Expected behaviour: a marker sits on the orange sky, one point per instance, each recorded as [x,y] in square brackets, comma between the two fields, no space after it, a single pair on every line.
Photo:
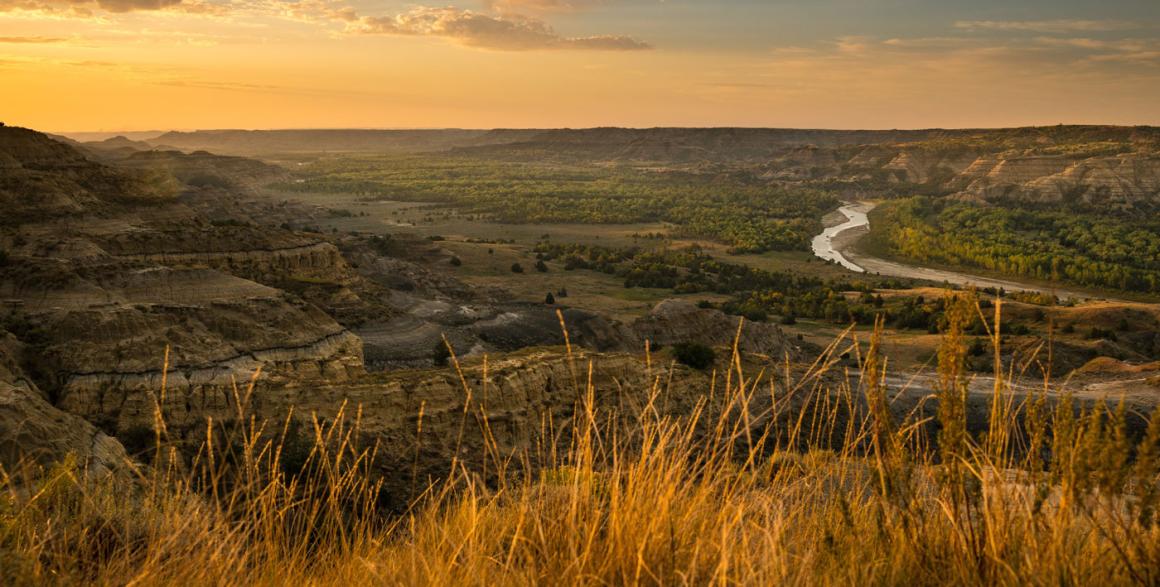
[162,64]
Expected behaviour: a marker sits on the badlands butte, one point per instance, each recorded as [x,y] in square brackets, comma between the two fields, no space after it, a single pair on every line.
[168,268]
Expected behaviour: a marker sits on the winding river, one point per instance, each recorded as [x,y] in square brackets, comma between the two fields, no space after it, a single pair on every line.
[836,244]
[857,216]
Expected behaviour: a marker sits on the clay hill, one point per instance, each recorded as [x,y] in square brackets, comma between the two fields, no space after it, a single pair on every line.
[1065,165]
[112,256]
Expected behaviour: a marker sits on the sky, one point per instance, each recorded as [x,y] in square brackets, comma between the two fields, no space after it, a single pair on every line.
[106,65]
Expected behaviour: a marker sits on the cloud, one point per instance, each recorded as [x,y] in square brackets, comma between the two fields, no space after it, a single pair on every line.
[89,8]
[32,40]
[500,32]
[853,44]
[1132,51]
[541,5]
[919,43]
[1047,26]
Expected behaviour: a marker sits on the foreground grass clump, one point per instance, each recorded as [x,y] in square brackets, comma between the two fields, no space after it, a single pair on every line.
[764,482]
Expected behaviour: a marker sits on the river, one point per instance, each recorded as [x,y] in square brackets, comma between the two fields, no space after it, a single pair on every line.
[836,244]
[824,245]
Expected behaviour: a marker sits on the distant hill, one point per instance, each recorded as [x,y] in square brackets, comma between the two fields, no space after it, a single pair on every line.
[1115,165]
[42,177]
[265,142]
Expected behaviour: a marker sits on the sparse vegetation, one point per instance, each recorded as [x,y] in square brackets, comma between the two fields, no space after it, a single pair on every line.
[825,484]
[735,208]
[695,355]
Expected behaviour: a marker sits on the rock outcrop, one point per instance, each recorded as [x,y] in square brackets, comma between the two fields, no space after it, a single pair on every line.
[678,321]
[32,431]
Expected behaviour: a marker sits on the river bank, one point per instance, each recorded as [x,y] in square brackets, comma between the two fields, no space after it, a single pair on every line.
[845,228]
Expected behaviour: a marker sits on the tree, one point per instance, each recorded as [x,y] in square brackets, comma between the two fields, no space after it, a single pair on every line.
[541,266]
[549,299]
[517,268]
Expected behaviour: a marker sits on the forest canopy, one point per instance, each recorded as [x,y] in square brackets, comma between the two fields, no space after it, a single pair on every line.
[748,214]
[1108,251]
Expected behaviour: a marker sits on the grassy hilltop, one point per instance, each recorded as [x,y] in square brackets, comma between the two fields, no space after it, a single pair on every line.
[803,478]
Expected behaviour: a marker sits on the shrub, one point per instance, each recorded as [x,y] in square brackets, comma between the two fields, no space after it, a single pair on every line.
[517,268]
[694,354]
[456,262]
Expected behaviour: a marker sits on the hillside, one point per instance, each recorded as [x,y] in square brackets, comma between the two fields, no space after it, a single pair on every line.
[1088,165]
[102,288]
[265,142]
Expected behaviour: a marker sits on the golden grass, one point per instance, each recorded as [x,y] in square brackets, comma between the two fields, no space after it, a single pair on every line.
[767,481]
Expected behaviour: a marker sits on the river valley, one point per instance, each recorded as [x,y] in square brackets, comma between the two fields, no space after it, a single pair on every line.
[846,227]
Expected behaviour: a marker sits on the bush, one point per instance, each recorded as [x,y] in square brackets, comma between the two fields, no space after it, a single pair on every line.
[456,262]
[549,299]
[694,354]
[517,268]
[541,266]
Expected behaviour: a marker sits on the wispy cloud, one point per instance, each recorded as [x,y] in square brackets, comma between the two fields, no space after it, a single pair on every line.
[542,5]
[32,40]
[500,32]
[92,8]
[84,7]
[853,44]
[1132,51]
[1048,26]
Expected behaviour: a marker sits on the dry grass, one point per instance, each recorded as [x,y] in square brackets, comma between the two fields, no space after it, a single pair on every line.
[749,488]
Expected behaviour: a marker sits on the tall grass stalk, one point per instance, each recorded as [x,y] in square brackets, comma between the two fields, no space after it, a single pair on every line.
[813,477]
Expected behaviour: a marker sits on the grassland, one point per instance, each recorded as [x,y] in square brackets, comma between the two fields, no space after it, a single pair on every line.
[805,480]
[487,250]
[732,207]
